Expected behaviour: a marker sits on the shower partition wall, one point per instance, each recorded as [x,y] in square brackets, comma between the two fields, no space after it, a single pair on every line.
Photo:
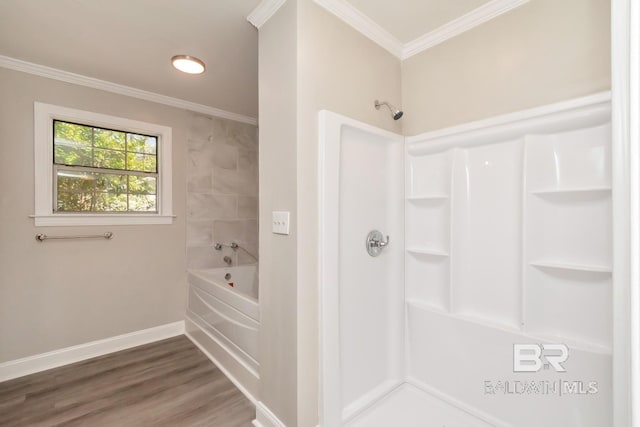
[362,180]
[508,243]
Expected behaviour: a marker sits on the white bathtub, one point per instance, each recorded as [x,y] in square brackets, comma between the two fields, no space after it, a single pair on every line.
[240,291]
[224,319]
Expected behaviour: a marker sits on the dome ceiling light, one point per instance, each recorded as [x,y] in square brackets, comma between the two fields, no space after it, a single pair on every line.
[188,64]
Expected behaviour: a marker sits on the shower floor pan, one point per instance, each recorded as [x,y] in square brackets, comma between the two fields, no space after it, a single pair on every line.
[408,406]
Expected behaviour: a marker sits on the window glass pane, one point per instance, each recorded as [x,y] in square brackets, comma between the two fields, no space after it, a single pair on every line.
[75,202]
[72,181]
[109,139]
[142,202]
[102,192]
[141,162]
[72,155]
[70,134]
[111,183]
[142,143]
[72,144]
[142,185]
[108,159]
[110,202]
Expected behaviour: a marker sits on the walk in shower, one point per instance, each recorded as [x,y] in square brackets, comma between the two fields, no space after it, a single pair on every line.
[491,303]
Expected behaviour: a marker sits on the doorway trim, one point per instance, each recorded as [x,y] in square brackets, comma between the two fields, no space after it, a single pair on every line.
[625,84]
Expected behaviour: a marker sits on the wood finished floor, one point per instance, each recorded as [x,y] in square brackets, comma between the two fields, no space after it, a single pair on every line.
[167,383]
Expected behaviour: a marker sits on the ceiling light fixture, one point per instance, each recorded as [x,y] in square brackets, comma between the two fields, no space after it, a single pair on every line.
[188,64]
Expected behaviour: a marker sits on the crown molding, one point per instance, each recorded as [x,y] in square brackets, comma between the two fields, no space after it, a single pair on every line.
[369,28]
[476,17]
[362,23]
[264,11]
[78,79]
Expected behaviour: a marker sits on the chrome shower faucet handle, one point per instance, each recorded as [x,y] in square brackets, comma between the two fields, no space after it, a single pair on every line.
[375,243]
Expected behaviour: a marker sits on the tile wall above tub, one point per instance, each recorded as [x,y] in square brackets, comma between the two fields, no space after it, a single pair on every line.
[222,191]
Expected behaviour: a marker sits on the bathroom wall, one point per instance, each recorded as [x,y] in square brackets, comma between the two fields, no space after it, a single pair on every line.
[542,52]
[63,293]
[222,191]
[278,191]
[340,70]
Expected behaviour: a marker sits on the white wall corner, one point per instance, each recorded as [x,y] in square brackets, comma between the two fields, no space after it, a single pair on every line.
[464,23]
[264,11]
[65,356]
[80,80]
[266,418]
[363,24]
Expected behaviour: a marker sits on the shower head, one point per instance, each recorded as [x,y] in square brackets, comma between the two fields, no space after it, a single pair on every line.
[395,113]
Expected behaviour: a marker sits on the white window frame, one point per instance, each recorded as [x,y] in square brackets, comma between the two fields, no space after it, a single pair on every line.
[44,115]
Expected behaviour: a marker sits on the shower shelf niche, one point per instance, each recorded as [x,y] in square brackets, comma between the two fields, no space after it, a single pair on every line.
[427,214]
[417,199]
[568,280]
[428,251]
[549,191]
[600,269]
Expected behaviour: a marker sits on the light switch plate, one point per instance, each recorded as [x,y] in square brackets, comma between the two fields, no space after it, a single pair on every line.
[280,222]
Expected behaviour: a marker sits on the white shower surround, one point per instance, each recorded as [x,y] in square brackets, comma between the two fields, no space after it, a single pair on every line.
[448,226]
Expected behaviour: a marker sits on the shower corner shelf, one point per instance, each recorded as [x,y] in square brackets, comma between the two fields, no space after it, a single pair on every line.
[427,251]
[590,268]
[550,191]
[421,304]
[428,197]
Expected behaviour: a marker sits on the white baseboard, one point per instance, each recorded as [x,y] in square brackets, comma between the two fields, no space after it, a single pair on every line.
[64,356]
[266,418]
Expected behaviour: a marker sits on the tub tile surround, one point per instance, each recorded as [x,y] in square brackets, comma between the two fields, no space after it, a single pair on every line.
[247,207]
[222,191]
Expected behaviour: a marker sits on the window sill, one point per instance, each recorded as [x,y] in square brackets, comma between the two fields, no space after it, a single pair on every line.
[100,219]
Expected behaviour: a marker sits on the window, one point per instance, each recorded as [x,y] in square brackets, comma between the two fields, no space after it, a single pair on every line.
[93,169]
[103,170]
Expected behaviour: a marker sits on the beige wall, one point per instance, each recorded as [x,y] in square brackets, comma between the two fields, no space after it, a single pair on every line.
[62,293]
[309,61]
[278,190]
[342,71]
[543,52]
[222,192]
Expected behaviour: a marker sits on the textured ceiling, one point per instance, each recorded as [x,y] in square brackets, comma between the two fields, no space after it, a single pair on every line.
[131,43]
[407,20]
